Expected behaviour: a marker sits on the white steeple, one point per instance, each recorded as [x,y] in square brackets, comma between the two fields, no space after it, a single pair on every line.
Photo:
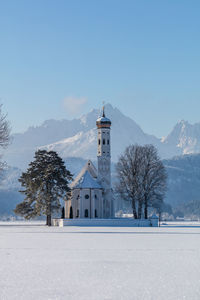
[104,161]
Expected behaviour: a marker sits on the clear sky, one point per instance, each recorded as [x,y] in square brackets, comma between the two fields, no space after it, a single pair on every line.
[61,58]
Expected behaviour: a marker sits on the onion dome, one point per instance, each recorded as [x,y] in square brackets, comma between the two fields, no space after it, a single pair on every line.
[103,122]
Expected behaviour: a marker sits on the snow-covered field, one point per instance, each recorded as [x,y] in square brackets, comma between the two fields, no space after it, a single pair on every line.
[37,262]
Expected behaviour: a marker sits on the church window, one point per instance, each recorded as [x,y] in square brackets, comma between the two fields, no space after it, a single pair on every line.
[95,196]
[71,213]
[95,213]
[77,214]
[104,141]
[108,142]
[87,196]
[99,142]
[86,213]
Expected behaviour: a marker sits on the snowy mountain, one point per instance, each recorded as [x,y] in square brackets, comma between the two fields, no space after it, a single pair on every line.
[77,138]
[184,137]
[9,187]
[84,144]
[183,180]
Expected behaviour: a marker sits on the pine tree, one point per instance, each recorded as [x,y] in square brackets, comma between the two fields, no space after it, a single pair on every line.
[45,183]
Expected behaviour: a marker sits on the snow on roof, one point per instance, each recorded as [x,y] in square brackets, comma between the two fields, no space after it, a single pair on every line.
[87,182]
[86,178]
[103,120]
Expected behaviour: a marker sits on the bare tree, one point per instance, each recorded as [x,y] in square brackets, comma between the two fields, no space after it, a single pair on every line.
[4,133]
[154,180]
[4,129]
[141,178]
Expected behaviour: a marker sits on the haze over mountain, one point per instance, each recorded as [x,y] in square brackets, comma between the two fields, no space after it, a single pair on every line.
[185,137]
[77,138]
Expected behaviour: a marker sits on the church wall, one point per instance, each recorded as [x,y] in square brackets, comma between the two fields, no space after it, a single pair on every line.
[67,208]
[86,203]
[85,199]
[76,203]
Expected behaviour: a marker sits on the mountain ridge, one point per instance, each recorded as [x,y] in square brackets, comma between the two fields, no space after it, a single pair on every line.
[77,138]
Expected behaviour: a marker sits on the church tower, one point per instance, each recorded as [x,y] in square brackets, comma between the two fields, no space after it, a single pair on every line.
[104,163]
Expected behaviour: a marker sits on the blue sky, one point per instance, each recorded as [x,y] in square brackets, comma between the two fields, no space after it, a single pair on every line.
[59,59]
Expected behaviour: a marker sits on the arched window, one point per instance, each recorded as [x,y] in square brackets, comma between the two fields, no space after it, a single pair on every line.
[87,196]
[108,142]
[63,213]
[95,213]
[104,141]
[99,142]
[71,213]
[86,213]
[77,214]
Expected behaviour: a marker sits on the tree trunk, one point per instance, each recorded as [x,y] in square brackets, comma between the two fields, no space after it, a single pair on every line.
[145,207]
[160,217]
[48,222]
[146,212]
[140,210]
[134,210]
[135,214]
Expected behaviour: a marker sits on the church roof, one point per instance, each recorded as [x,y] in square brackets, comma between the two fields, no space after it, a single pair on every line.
[87,178]
[87,182]
[102,120]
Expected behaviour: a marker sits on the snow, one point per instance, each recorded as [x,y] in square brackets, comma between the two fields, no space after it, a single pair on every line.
[38,262]
[87,182]
[103,120]
[86,178]
[76,138]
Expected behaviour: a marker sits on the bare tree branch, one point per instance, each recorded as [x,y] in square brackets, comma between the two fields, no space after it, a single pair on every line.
[141,178]
[4,129]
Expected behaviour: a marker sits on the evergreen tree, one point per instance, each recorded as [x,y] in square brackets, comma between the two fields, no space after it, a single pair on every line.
[45,183]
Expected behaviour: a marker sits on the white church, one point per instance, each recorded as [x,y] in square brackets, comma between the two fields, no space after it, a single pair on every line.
[91,192]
